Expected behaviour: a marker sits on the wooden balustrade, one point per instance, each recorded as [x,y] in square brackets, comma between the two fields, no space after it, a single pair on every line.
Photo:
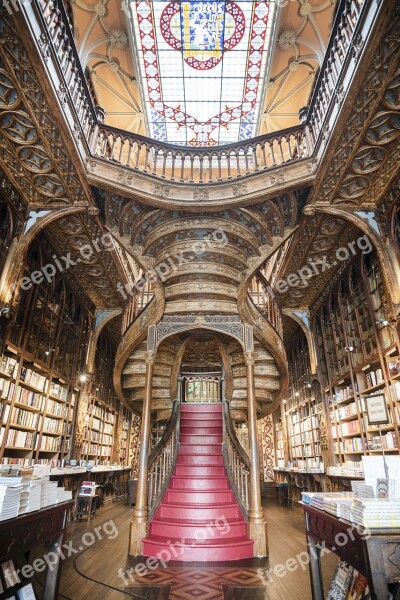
[139,299]
[162,460]
[263,298]
[201,165]
[237,463]
[327,86]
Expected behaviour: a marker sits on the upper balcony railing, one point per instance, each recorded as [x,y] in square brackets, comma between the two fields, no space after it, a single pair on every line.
[202,164]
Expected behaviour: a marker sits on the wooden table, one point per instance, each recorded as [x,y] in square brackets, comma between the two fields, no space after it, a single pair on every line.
[377,556]
[46,526]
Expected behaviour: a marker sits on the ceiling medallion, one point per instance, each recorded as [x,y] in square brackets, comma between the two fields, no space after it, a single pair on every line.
[202,31]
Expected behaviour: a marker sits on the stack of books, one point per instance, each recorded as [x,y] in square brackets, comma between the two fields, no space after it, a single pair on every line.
[338,506]
[376,513]
[10,498]
[63,495]
[48,492]
[362,489]
[31,495]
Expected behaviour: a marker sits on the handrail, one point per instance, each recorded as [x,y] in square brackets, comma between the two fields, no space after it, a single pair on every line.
[263,298]
[199,165]
[135,306]
[162,460]
[185,164]
[237,463]
[341,43]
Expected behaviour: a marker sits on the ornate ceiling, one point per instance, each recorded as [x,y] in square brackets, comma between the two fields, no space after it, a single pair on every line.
[298,38]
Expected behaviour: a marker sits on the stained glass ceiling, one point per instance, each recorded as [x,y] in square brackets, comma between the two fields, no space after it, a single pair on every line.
[202,66]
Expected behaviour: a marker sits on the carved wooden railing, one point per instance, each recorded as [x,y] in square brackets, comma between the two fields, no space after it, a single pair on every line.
[58,29]
[263,298]
[200,165]
[342,44]
[137,302]
[162,460]
[237,463]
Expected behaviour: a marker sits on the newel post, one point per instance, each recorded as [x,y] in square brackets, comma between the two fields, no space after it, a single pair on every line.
[139,523]
[257,525]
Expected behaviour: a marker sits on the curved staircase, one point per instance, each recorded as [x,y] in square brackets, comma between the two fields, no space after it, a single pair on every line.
[199,518]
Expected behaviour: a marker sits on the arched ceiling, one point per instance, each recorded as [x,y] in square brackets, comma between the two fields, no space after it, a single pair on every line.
[103,33]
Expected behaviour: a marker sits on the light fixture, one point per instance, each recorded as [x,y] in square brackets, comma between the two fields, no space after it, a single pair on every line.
[383,322]
[296,394]
[49,351]
[349,348]
[82,378]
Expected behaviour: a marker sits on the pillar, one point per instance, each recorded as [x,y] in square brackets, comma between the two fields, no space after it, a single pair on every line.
[257,525]
[139,523]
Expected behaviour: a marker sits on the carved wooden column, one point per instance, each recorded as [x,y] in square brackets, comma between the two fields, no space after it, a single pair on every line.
[258,529]
[139,521]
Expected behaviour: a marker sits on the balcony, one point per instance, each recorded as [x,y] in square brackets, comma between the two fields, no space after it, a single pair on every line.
[153,169]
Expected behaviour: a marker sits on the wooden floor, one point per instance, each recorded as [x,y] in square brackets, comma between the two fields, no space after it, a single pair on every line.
[98,571]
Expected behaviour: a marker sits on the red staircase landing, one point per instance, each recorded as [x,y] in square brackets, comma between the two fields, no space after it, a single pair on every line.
[199,518]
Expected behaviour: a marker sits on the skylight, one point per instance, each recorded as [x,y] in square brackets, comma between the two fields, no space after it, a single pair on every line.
[202,66]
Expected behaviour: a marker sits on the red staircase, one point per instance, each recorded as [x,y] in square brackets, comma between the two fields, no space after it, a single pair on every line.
[199,518]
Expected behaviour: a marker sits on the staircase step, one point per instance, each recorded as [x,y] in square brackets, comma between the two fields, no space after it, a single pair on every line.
[196,450]
[188,418]
[175,512]
[200,497]
[212,530]
[201,439]
[200,484]
[199,471]
[230,550]
[208,460]
[201,408]
[201,430]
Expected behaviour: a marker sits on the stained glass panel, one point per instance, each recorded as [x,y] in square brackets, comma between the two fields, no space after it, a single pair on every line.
[203,67]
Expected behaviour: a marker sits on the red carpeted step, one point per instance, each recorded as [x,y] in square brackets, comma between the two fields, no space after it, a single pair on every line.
[216,551]
[200,459]
[193,471]
[201,497]
[201,440]
[200,531]
[202,429]
[193,449]
[172,512]
[199,483]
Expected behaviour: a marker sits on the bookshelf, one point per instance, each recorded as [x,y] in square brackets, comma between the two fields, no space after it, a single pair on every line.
[300,413]
[125,416]
[358,354]
[37,412]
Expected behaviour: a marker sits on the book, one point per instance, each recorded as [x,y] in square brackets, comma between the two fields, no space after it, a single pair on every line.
[340,581]
[26,593]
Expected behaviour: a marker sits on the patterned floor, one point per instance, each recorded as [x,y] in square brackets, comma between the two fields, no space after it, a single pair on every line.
[204,583]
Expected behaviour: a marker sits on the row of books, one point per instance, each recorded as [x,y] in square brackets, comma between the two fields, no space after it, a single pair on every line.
[350,446]
[33,378]
[9,366]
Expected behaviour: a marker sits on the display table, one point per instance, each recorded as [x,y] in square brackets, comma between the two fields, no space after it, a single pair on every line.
[46,526]
[377,556]
[114,481]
